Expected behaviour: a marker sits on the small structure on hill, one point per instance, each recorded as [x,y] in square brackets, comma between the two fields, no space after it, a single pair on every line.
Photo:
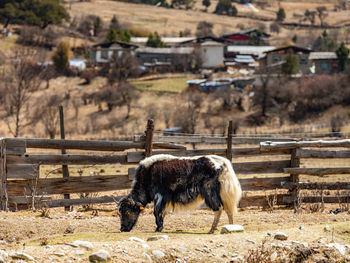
[326,62]
[253,37]
[103,53]
[275,58]
[165,59]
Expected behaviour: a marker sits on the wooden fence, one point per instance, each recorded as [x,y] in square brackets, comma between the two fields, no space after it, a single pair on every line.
[269,171]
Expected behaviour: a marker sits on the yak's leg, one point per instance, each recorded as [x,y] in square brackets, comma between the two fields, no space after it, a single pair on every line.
[229,215]
[214,226]
[159,206]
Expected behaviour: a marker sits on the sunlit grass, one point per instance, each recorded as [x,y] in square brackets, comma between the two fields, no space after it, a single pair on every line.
[174,85]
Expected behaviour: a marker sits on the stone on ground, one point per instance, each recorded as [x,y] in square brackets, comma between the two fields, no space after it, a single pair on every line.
[22,255]
[231,229]
[281,236]
[83,244]
[158,254]
[158,237]
[100,256]
[136,239]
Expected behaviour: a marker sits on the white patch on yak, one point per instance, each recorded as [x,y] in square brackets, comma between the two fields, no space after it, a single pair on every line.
[164,157]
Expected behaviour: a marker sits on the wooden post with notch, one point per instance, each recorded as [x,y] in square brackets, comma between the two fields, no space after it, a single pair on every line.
[229,142]
[149,138]
[295,162]
[65,171]
[3,174]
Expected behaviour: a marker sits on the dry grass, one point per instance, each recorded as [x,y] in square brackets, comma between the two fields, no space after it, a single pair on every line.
[171,21]
[173,85]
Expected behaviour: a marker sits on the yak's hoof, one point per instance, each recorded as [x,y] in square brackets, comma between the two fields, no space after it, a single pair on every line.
[159,229]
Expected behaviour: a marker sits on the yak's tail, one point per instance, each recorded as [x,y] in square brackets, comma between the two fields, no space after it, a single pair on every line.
[230,189]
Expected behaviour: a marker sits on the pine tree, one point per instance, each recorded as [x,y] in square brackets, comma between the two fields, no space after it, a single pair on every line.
[61,57]
[281,14]
[343,56]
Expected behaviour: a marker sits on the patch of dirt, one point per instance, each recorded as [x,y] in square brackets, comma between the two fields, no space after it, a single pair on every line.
[41,237]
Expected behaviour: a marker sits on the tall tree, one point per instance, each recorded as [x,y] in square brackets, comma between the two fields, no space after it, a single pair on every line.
[290,65]
[111,35]
[19,80]
[32,12]
[206,3]
[154,40]
[60,57]
[343,56]
[281,14]
[114,24]
[310,15]
[322,13]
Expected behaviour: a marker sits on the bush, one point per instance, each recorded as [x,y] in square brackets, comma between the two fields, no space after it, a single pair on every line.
[225,7]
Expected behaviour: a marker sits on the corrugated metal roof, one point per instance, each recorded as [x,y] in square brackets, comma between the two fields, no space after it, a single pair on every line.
[172,50]
[143,40]
[250,50]
[322,55]
[244,59]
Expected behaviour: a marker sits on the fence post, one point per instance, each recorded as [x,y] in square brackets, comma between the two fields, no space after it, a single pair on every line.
[65,171]
[295,162]
[3,174]
[149,138]
[229,142]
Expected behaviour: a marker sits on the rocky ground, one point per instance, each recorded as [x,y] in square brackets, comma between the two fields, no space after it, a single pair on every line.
[280,236]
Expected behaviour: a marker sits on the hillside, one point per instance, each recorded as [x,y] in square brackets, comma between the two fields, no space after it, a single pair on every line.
[170,22]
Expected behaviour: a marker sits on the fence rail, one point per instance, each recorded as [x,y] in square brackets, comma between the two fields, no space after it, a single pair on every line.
[272,174]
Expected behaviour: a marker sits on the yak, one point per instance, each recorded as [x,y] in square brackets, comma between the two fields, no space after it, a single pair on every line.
[174,183]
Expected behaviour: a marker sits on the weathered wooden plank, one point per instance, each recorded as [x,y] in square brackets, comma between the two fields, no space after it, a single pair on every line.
[83,144]
[135,157]
[260,167]
[318,185]
[131,173]
[163,145]
[303,153]
[82,201]
[15,146]
[247,167]
[28,199]
[212,140]
[261,184]
[70,185]
[270,145]
[319,199]
[24,171]
[318,171]
[54,159]
[263,201]
[3,176]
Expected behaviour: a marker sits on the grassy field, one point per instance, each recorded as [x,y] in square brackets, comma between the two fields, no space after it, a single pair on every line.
[173,84]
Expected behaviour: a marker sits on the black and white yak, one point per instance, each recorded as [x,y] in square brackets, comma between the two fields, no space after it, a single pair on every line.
[178,182]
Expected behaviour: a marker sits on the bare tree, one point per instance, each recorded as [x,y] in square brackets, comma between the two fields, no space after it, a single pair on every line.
[322,13]
[310,15]
[20,79]
[47,113]
[188,115]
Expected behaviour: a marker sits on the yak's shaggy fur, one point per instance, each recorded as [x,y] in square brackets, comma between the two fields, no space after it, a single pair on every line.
[179,182]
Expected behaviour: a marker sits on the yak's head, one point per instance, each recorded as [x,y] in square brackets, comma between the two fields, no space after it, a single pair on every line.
[129,211]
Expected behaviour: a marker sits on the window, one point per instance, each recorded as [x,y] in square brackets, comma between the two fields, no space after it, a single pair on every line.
[303,60]
[324,65]
[104,54]
[276,58]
